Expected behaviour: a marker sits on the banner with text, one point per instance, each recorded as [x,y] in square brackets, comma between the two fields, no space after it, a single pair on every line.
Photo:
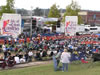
[11,24]
[70,25]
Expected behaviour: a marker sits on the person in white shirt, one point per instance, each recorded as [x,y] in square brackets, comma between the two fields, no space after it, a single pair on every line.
[22,60]
[15,40]
[3,48]
[30,54]
[9,39]
[65,59]
[17,60]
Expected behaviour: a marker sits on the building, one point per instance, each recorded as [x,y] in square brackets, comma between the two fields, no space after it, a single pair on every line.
[90,17]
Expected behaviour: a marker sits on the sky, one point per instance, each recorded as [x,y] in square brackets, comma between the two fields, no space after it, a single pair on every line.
[32,4]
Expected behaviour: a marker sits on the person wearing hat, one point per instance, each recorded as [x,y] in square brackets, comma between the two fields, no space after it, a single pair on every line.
[65,59]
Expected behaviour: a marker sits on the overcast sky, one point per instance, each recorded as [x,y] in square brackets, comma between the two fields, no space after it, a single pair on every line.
[27,4]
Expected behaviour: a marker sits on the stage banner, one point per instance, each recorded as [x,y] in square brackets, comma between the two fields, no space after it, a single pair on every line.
[71,23]
[11,24]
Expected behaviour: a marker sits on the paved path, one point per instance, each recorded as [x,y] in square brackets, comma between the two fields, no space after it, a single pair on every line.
[28,64]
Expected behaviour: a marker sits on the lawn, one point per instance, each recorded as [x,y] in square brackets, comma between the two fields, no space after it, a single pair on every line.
[74,69]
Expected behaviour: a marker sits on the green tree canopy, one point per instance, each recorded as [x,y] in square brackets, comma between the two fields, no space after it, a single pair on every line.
[54,12]
[8,8]
[72,10]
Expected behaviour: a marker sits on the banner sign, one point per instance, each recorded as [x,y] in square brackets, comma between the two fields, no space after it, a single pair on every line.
[70,25]
[11,24]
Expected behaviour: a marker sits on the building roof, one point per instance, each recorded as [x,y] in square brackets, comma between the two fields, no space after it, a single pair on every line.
[90,10]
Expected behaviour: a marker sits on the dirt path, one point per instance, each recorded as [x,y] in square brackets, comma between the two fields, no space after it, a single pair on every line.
[28,64]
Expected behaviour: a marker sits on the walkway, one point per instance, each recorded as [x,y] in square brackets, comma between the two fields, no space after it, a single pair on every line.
[36,63]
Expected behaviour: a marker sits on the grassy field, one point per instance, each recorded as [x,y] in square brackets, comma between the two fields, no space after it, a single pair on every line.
[74,69]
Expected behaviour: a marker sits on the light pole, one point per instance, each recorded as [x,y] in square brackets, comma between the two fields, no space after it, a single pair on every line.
[31,22]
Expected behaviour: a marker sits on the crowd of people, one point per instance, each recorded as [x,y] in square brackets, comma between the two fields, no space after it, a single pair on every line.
[40,48]
[76,50]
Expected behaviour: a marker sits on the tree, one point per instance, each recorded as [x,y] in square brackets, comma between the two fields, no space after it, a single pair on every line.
[8,8]
[38,12]
[72,10]
[54,12]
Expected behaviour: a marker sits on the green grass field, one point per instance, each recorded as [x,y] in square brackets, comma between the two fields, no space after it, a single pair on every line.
[74,69]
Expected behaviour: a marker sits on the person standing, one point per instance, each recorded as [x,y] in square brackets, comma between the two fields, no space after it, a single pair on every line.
[56,59]
[58,55]
[65,59]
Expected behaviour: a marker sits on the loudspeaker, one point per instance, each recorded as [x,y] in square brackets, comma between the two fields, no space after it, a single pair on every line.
[77,34]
